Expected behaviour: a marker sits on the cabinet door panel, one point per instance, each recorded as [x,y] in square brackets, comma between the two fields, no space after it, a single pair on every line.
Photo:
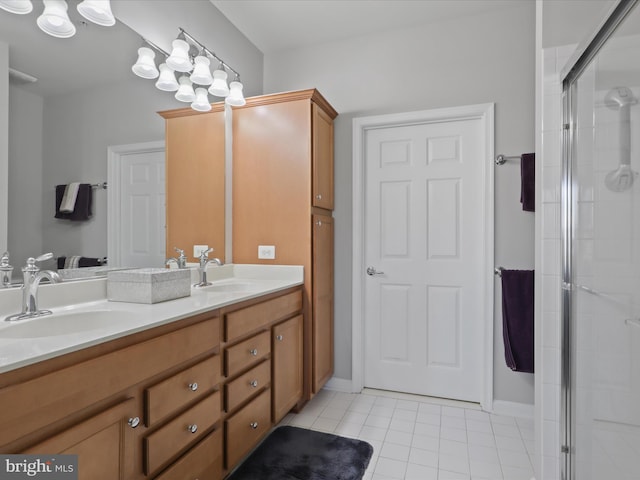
[287,366]
[322,159]
[322,301]
[103,444]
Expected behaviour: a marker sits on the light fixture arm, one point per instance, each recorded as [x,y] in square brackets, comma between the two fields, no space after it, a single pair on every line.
[155,47]
[207,51]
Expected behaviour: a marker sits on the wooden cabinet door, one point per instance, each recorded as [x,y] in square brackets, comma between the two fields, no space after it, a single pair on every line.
[195,182]
[103,443]
[322,160]
[287,366]
[322,301]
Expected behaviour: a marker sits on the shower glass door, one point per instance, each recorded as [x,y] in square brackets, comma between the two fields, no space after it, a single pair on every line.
[603,247]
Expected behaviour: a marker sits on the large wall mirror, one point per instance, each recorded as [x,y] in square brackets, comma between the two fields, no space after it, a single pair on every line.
[85,100]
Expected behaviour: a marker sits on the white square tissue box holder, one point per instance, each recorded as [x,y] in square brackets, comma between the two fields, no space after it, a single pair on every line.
[148,285]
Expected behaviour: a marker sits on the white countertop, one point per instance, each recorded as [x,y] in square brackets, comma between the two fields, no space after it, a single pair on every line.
[83,317]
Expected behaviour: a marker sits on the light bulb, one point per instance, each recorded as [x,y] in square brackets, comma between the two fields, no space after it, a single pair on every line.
[201,103]
[179,58]
[145,67]
[167,79]
[235,98]
[55,21]
[97,11]
[185,92]
[219,87]
[201,73]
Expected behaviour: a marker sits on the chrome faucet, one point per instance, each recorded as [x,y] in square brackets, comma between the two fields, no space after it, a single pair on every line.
[180,261]
[32,275]
[202,267]
[5,271]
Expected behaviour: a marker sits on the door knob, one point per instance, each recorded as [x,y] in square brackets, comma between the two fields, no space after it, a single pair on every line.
[371,271]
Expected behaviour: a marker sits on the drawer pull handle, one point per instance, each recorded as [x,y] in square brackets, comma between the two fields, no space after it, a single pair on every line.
[193,428]
[280,338]
[254,352]
[253,425]
[134,422]
[193,386]
[253,383]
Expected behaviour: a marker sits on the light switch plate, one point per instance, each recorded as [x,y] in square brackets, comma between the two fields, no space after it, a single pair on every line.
[198,249]
[267,252]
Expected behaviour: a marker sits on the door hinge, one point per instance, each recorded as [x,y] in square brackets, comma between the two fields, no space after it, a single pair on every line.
[564,449]
[566,126]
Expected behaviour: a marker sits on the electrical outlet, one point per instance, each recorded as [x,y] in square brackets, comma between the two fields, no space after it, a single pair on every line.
[198,249]
[266,252]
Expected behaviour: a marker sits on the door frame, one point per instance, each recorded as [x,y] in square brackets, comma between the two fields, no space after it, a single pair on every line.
[115,154]
[485,114]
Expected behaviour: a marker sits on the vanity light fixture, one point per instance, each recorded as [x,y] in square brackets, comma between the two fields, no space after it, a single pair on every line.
[21,7]
[55,20]
[192,59]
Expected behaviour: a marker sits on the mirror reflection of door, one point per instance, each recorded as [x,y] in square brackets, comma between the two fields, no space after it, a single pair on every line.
[137,205]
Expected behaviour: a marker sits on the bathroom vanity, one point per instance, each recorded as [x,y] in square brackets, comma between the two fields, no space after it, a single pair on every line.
[177,390]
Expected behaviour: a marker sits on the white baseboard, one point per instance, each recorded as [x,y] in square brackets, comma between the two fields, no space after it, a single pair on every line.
[513,409]
[340,385]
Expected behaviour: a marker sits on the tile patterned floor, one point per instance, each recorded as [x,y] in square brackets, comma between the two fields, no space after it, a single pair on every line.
[423,438]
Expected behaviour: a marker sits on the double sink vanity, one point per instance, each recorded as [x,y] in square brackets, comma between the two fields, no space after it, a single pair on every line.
[172,390]
[186,388]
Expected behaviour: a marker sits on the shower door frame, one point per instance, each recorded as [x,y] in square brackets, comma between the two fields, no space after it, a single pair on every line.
[581,59]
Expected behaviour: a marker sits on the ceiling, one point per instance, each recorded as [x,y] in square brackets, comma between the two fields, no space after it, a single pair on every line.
[274,25]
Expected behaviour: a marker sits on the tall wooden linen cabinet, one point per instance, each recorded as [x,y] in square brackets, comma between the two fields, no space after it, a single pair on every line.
[283,197]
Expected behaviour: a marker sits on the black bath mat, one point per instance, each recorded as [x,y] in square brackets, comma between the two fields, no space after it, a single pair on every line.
[291,453]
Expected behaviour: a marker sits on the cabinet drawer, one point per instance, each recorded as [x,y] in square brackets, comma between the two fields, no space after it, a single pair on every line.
[203,462]
[247,353]
[180,389]
[247,385]
[78,386]
[247,320]
[163,444]
[246,428]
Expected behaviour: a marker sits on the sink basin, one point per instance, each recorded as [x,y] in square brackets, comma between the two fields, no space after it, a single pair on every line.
[66,323]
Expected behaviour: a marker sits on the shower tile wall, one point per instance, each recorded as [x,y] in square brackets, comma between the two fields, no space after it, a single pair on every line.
[549,264]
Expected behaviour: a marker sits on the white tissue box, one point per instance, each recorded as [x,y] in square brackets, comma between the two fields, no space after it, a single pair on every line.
[148,285]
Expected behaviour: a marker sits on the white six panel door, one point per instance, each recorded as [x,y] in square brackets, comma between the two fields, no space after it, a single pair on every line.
[142,209]
[424,210]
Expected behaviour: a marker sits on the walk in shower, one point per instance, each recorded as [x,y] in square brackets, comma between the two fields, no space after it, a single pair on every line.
[601,255]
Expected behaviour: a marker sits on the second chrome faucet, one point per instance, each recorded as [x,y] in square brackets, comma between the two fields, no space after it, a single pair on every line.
[202,267]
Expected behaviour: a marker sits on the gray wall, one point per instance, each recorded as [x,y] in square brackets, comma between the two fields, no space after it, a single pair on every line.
[68,139]
[485,58]
[25,177]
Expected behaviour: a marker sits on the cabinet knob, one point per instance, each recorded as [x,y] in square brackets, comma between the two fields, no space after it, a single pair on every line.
[253,425]
[134,422]
[253,383]
[192,428]
[254,352]
[193,386]
[319,223]
[319,196]
[279,338]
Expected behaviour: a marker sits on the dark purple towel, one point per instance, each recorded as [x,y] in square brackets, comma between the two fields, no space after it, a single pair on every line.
[517,319]
[84,200]
[528,182]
